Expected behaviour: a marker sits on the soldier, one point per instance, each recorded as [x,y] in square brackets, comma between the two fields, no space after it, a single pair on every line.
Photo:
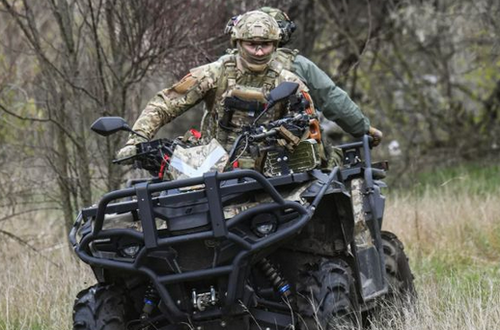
[334,103]
[248,75]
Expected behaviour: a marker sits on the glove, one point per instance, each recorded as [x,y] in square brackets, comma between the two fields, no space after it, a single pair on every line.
[376,136]
[130,149]
[127,151]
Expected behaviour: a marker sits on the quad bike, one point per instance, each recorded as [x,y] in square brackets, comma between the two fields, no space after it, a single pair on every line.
[220,247]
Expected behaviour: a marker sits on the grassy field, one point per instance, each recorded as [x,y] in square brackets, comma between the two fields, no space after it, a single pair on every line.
[449,222]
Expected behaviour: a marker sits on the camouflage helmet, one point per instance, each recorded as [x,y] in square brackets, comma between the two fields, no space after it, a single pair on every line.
[255,25]
[286,25]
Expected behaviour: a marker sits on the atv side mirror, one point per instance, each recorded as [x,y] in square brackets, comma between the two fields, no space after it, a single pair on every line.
[284,90]
[108,125]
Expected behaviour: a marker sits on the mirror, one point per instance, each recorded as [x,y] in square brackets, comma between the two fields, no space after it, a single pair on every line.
[108,125]
[284,90]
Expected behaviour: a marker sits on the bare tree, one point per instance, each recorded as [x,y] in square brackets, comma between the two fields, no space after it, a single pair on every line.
[91,57]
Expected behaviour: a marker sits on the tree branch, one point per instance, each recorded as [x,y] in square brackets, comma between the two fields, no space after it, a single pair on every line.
[2,107]
[27,245]
[13,215]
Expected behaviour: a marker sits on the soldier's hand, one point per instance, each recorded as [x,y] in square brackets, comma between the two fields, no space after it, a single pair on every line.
[127,151]
[376,136]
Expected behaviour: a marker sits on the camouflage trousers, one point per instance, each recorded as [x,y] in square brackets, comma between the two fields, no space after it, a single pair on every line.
[334,155]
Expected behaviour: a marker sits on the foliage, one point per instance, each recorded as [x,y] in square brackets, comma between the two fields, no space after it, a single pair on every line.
[426,73]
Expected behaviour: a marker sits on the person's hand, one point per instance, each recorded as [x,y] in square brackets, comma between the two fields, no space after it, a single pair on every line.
[127,151]
[376,136]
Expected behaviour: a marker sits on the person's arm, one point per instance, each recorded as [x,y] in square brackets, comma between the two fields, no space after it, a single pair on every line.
[170,103]
[334,103]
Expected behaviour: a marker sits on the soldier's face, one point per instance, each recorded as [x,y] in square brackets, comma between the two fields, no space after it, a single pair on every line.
[258,48]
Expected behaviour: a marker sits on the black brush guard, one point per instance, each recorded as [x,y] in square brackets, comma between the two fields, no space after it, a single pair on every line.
[219,227]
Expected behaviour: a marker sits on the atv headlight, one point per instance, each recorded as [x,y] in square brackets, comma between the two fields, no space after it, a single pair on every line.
[264,224]
[130,251]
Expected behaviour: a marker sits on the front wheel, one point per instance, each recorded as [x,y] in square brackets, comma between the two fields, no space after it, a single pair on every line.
[327,297]
[102,307]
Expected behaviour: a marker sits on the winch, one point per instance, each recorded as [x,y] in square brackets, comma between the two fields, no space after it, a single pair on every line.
[203,300]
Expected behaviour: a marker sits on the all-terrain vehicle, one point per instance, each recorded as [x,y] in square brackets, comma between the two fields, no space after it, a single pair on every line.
[204,244]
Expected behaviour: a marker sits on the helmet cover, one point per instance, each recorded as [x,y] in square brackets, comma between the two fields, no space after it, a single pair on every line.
[256,26]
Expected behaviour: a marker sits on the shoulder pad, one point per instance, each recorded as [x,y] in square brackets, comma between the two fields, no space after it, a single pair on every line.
[276,66]
[289,51]
[229,57]
[208,70]
[286,57]
[231,51]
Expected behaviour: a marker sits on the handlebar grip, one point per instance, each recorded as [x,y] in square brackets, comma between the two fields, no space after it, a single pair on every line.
[121,160]
[261,136]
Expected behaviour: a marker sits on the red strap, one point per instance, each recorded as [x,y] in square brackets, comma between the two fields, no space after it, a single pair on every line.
[196,134]
[164,162]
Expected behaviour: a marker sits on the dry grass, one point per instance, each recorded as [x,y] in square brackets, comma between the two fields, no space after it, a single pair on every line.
[452,238]
[37,289]
[444,220]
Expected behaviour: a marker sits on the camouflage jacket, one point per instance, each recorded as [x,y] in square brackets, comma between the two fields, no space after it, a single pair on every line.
[214,83]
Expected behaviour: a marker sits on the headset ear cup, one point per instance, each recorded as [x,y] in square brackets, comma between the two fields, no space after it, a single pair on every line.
[286,29]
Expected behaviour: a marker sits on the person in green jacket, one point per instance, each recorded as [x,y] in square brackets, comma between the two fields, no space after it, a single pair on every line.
[334,103]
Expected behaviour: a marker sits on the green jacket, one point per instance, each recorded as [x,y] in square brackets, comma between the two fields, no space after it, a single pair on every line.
[334,103]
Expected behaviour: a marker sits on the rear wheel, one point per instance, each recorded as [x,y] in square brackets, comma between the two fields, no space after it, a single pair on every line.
[327,298]
[401,295]
[398,272]
[102,307]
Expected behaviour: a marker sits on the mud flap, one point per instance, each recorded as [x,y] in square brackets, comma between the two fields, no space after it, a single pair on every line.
[371,269]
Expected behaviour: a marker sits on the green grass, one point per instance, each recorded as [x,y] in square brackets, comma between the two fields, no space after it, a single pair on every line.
[17,325]
[472,178]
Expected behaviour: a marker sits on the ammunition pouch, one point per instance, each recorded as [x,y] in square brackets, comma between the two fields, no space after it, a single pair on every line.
[231,104]
[236,103]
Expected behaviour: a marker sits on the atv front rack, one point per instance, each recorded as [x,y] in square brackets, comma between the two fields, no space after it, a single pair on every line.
[216,186]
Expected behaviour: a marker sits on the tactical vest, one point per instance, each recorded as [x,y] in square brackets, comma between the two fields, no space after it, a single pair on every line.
[286,57]
[237,104]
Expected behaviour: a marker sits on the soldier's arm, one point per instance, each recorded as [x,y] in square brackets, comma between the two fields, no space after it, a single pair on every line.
[170,103]
[334,102]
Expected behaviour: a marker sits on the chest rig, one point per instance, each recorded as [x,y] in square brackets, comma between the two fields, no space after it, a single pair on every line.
[239,99]
[286,57]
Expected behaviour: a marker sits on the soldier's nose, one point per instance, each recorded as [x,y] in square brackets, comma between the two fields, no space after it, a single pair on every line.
[259,51]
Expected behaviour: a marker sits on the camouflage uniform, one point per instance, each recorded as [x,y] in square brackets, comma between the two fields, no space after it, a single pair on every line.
[335,103]
[230,76]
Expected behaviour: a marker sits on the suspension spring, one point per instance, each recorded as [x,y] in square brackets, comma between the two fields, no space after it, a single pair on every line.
[151,299]
[279,283]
